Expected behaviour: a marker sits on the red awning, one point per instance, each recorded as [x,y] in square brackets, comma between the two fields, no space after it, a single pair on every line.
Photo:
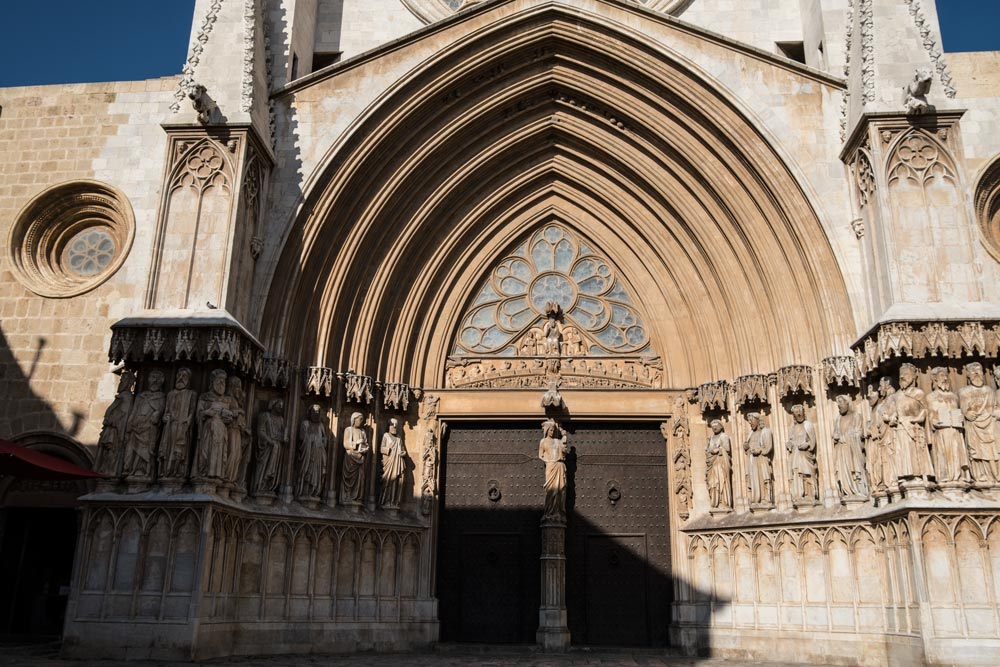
[18,461]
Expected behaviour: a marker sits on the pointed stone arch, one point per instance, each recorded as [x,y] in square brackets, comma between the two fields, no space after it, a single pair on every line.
[638,150]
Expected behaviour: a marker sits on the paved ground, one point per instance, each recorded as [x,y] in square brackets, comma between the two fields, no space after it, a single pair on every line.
[446,656]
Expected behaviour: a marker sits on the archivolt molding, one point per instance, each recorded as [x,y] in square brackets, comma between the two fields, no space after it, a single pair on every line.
[987,203]
[459,162]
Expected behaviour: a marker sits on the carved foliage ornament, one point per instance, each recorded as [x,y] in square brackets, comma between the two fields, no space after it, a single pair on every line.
[395,395]
[841,372]
[358,388]
[795,379]
[750,389]
[713,395]
[318,380]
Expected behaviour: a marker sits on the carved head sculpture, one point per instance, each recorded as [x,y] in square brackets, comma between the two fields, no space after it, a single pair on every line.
[754,420]
[276,406]
[218,382]
[314,413]
[716,426]
[356,419]
[975,373]
[126,381]
[183,378]
[393,426]
[843,404]
[873,395]
[996,374]
[939,379]
[236,387]
[799,413]
[549,428]
[885,387]
[155,380]
[907,376]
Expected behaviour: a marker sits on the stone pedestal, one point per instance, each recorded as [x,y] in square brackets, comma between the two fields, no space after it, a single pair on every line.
[553,630]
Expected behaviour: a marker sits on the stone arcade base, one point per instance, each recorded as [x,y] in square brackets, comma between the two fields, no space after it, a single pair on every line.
[181,577]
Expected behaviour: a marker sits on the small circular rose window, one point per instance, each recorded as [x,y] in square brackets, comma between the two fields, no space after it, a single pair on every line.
[89,252]
[71,238]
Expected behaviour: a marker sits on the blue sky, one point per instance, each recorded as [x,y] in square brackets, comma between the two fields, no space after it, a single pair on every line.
[64,41]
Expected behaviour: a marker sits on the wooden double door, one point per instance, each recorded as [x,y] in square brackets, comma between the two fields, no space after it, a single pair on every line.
[618,583]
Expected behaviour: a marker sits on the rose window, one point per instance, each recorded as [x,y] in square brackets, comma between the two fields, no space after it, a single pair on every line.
[553,266]
[89,252]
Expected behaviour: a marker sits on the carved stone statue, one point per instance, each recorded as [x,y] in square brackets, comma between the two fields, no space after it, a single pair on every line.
[979,408]
[552,451]
[572,342]
[946,424]
[237,457]
[178,420]
[393,467]
[429,461]
[552,330]
[313,440]
[718,463]
[528,346]
[143,429]
[356,448]
[885,418]
[913,459]
[849,451]
[759,447]
[874,435]
[109,445]
[214,417]
[803,477]
[915,93]
[270,440]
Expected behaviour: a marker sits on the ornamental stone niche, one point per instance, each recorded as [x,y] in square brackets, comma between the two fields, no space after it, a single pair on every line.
[71,238]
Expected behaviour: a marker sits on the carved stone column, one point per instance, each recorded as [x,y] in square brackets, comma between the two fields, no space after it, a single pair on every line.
[553,628]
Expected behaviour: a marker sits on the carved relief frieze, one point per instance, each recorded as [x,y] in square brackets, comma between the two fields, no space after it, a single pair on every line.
[678,430]
[195,343]
[796,379]
[713,396]
[318,380]
[429,455]
[534,373]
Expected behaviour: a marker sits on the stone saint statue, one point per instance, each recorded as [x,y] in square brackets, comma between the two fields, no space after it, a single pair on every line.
[946,424]
[393,467]
[552,451]
[352,483]
[759,447]
[238,455]
[913,459]
[268,450]
[718,462]
[552,329]
[884,418]
[849,451]
[109,445]
[178,418]
[313,440]
[143,429]
[214,417]
[803,478]
[979,408]
[873,446]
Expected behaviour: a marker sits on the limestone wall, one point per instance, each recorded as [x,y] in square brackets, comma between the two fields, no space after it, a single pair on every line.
[53,352]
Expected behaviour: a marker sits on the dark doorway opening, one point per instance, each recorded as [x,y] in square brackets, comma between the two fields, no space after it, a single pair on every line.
[36,557]
[618,580]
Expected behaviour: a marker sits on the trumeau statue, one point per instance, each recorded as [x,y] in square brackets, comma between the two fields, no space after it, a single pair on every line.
[214,417]
[237,457]
[393,467]
[178,419]
[718,464]
[269,446]
[552,451]
[143,429]
[946,423]
[356,448]
[913,459]
[979,408]
[113,429]
[313,440]
[849,451]
[759,447]
[803,479]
